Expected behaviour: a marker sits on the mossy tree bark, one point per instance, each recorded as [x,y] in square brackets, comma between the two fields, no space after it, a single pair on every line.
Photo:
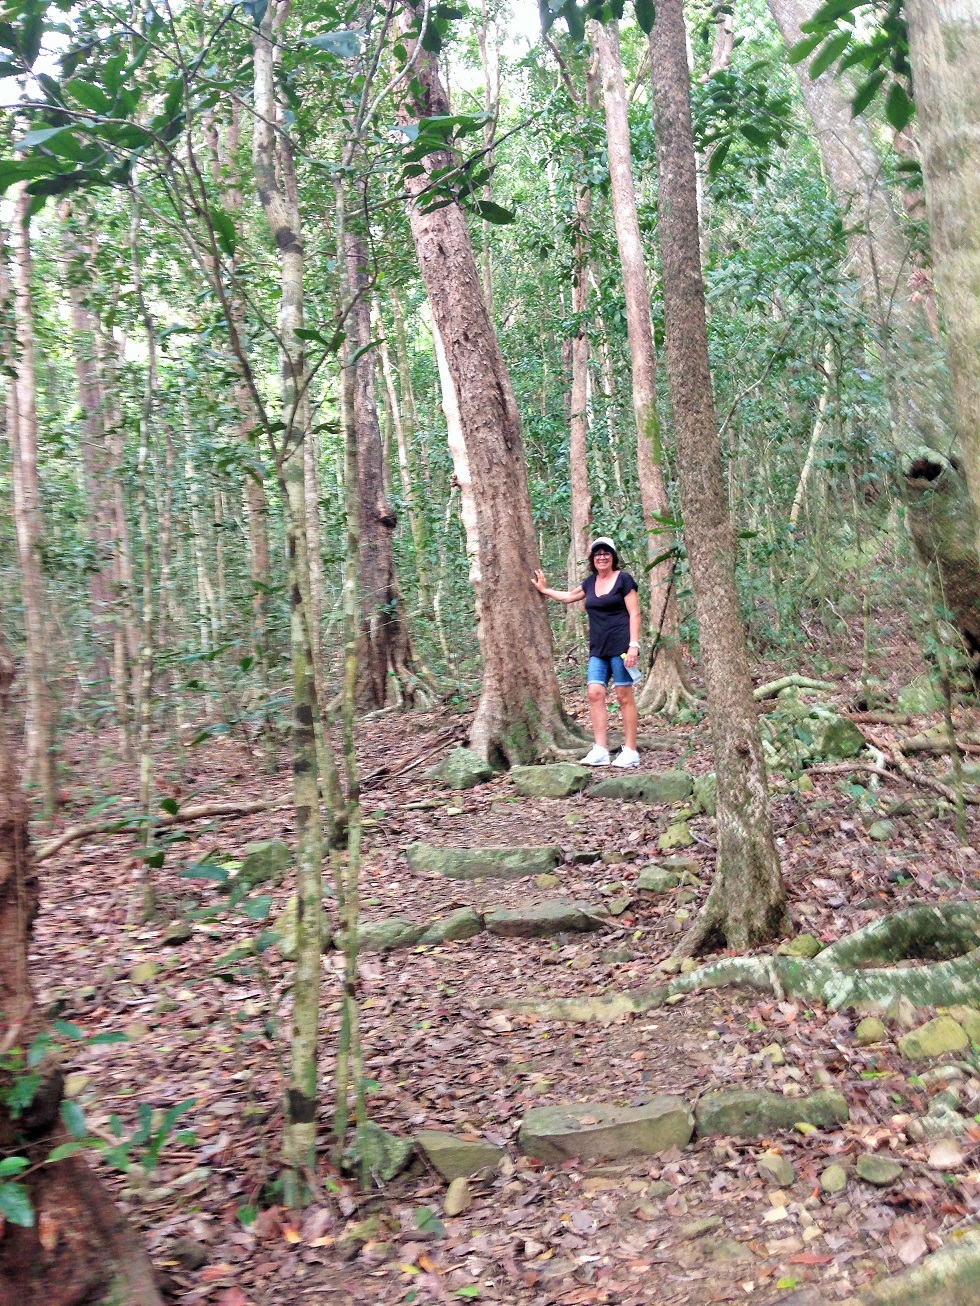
[944,47]
[519,717]
[95,1255]
[942,518]
[665,686]
[747,901]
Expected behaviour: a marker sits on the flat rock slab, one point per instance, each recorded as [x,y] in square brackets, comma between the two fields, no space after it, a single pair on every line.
[480,863]
[558,780]
[540,919]
[657,787]
[396,932]
[599,1132]
[934,1038]
[754,1113]
[454,1157]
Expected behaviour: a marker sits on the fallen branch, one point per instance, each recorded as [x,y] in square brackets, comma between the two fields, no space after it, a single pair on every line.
[879,718]
[910,776]
[132,824]
[895,755]
[918,744]
[416,760]
[790,682]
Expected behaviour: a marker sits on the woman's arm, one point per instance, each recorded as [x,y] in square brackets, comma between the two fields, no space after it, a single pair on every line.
[563,596]
[632,602]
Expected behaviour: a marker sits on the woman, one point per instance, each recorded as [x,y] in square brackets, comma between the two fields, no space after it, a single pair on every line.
[614,645]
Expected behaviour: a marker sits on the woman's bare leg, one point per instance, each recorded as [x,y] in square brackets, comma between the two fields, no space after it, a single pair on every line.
[597,713]
[627,706]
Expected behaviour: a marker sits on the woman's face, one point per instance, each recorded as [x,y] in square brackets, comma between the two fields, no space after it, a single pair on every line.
[603,560]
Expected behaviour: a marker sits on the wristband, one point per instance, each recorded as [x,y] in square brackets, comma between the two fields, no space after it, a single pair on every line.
[634,644]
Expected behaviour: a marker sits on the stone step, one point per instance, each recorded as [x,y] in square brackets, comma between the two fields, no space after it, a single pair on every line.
[538,920]
[645,787]
[557,780]
[596,1131]
[483,863]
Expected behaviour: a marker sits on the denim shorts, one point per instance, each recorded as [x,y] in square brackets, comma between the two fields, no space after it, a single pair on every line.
[600,669]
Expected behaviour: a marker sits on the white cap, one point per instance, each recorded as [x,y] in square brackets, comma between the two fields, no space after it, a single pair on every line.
[603,539]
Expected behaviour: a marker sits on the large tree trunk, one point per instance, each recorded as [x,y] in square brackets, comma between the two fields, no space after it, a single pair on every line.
[383,646]
[665,686]
[917,381]
[519,717]
[88,1252]
[27,513]
[578,423]
[944,46]
[747,901]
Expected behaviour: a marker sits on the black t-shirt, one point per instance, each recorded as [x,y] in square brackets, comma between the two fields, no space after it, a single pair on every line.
[609,620]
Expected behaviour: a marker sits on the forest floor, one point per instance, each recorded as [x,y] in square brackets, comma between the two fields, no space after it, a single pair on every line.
[699,1225]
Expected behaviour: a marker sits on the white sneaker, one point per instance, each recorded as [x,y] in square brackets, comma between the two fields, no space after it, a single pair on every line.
[597,756]
[628,757]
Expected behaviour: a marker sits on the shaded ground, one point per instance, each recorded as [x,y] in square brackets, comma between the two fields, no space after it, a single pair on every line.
[204,1028]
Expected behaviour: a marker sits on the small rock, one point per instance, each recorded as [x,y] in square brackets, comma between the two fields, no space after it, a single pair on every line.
[804,785]
[463,769]
[165,1006]
[945,1156]
[583,856]
[547,881]
[176,933]
[696,1228]
[878,1170]
[969,1018]
[671,965]
[458,1197]
[881,830]
[264,862]
[706,793]
[833,1179]
[870,1030]
[660,1188]
[804,945]
[685,896]
[686,868]
[559,780]
[145,972]
[773,1053]
[777,1168]
[729,1252]
[617,906]
[688,965]
[368,1230]
[76,1084]
[676,836]
[932,1039]
[191,1254]
[617,956]
[901,1012]
[655,879]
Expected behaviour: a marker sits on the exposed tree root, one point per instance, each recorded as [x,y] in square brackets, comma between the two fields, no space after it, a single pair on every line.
[790,682]
[667,687]
[853,972]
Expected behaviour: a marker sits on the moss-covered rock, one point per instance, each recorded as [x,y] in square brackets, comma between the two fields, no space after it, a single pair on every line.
[656,879]
[919,697]
[677,835]
[878,1170]
[596,1131]
[706,793]
[264,862]
[539,920]
[463,769]
[804,945]
[558,780]
[933,1039]
[655,787]
[477,863]
[754,1113]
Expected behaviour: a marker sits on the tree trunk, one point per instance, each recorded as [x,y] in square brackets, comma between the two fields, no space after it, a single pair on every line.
[665,686]
[915,367]
[578,422]
[299,1143]
[383,644]
[95,1255]
[27,514]
[944,47]
[519,717]
[747,901]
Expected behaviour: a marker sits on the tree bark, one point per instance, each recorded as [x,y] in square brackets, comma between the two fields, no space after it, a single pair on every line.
[95,1254]
[383,646]
[944,47]
[299,1143]
[519,717]
[665,686]
[747,901]
[578,420]
[27,513]
[917,381]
